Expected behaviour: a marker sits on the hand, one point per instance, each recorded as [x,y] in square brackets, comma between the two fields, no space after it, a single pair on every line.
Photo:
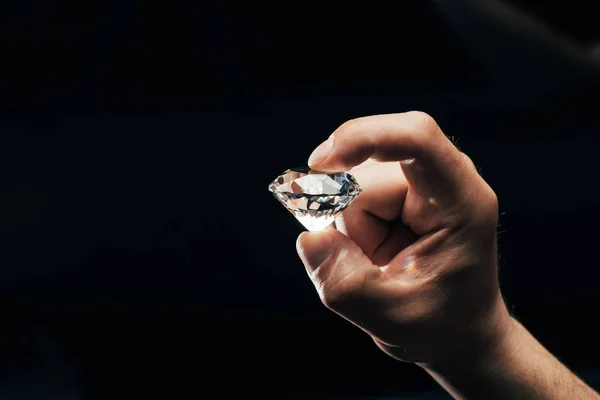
[413,261]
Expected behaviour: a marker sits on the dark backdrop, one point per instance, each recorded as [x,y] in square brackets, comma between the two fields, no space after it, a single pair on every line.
[142,252]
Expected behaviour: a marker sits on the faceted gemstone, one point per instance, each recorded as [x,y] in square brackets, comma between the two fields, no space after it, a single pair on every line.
[315,198]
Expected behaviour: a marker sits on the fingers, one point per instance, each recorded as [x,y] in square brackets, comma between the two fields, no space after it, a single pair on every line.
[338,268]
[366,220]
[383,190]
[432,165]
[365,229]
[379,240]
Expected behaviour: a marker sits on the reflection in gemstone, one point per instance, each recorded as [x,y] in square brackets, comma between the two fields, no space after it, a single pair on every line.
[315,198]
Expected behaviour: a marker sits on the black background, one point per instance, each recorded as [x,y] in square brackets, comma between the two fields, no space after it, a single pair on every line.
[141,251]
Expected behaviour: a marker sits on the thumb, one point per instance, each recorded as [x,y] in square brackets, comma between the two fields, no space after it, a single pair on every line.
[340,271]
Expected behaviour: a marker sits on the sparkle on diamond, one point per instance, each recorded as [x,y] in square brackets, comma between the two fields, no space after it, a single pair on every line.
[315,198]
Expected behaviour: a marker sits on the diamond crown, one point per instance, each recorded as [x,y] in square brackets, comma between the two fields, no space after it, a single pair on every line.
[315,198]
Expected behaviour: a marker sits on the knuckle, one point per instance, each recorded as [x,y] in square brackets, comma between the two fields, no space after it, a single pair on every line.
[332,299]
[337,295]
[469,162]
[424,123]
[488,206]
[491,200]
[425,129]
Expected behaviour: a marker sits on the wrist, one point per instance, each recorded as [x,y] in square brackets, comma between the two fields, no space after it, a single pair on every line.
[474,369]
[490,345]
[515,367]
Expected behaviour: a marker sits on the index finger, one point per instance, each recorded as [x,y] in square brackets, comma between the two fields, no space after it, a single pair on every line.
[431,163]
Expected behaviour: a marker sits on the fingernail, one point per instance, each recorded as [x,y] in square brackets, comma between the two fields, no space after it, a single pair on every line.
[321,152]
[314,248]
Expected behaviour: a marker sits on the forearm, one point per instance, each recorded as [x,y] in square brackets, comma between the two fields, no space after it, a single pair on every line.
[521,368]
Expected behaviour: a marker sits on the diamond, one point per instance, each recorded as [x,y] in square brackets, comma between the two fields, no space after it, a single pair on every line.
[315,198]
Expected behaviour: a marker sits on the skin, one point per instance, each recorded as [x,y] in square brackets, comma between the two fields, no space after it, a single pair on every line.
[413,263]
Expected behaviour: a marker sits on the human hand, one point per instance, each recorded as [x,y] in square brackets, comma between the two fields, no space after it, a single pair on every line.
[413,260]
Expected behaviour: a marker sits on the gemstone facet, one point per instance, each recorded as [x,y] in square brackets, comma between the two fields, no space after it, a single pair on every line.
[315,198]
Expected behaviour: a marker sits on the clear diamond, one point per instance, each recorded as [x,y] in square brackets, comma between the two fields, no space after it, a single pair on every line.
[315,198]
